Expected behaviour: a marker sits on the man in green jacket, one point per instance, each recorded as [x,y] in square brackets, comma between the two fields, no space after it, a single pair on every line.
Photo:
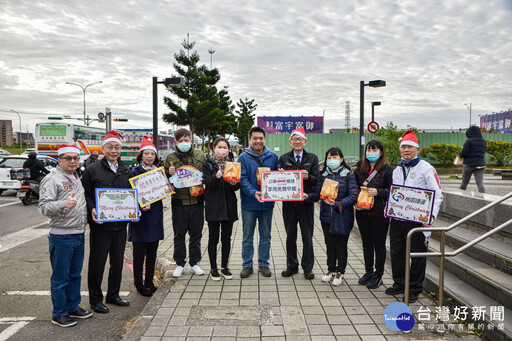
[187,210]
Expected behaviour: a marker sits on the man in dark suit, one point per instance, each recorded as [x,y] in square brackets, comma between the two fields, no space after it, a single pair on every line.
[299,211]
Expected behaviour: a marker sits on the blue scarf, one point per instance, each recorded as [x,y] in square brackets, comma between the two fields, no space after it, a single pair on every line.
[409,164]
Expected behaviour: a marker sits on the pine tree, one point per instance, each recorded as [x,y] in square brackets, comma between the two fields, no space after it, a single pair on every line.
[245,119]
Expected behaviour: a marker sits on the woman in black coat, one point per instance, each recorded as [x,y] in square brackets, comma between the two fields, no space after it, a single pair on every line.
[473,153]
[372,224]
[220,207]
[149,230]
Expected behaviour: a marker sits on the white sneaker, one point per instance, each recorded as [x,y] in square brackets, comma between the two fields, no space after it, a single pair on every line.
[328,277]
[197,270]
[178,272]
[338,280]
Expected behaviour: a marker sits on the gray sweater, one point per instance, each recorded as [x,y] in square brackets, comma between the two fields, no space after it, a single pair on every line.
[55,188]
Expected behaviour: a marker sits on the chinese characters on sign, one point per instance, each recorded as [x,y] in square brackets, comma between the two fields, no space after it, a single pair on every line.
[152,186]
[281,186]
[116,204]
[498,123]
[283,124]
[186,176]
[410,204]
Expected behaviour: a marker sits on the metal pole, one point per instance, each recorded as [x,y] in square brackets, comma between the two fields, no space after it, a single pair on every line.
[86,122]
[441,273]
[407,271]
[19,117]
[361,120]
[155,111]
[470,114]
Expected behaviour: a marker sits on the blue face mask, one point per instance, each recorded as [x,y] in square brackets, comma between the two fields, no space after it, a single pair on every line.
[184,147]
[333,164]
[372,157]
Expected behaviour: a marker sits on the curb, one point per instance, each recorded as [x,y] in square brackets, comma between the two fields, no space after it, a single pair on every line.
[143,321]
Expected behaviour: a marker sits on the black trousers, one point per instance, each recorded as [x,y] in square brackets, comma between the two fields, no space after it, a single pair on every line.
[215,228]
[102,244]
[189,219]
[419,243]
[337,252]
[374,230]
[143,251]
[304,215]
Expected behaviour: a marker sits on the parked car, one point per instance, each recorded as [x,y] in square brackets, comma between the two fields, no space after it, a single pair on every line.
[4,152]
[28,151]
[11,170]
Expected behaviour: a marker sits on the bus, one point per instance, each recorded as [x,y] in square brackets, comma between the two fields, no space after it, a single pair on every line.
[50,135]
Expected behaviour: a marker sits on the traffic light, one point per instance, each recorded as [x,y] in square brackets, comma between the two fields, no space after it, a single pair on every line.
[55,118]
[120,120]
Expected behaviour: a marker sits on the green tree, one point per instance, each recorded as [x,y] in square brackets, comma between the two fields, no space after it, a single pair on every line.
[389,136]
[500,151]
[441,153]
[207,110]
[245,119]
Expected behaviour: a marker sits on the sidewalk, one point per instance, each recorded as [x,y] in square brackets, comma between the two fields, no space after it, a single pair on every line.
[276,308]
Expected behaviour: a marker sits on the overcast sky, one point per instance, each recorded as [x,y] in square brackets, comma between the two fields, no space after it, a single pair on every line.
[292,57]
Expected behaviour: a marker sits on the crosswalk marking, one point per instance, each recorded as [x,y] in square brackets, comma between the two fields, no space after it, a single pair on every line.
[16,323]
[21,237]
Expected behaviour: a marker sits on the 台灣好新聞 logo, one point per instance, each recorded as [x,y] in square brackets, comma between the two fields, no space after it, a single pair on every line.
[398,316]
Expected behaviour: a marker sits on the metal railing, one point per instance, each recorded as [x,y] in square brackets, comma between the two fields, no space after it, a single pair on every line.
[442,254]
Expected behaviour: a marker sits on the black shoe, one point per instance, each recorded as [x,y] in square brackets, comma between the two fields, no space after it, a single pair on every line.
[64,321]
[144,291]
[394,290]
[309,275]
[289,273]
[226,273]
[214,273]
[374,282]
[119,301]
[265,271]
[412,298]
[80,314]
[246,272]
[99,308]
[366,278]
[151,286]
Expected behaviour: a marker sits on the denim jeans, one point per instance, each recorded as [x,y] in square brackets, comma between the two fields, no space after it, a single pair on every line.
[67,259]
[249,218]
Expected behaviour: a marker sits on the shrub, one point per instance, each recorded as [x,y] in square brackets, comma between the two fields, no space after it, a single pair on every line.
[500,151]
[441,153]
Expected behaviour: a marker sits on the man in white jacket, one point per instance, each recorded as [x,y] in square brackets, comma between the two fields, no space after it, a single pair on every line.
[412,172]
[62,200]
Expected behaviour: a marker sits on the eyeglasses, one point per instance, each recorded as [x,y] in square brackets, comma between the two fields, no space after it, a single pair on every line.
[69,158]
[298,139]
[116,147]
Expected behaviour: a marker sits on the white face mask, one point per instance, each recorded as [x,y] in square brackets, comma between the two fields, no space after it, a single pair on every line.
[221,153]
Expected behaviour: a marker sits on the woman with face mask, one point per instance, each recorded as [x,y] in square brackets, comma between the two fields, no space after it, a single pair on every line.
[374,173]
[336,215]
[220,207]
[149,230]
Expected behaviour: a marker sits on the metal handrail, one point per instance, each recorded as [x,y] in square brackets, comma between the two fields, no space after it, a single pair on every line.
[442,254]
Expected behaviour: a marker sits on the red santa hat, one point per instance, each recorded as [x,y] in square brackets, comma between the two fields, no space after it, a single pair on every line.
[112,136]
[68,148]
[301,132]
[147,143]
[409,139]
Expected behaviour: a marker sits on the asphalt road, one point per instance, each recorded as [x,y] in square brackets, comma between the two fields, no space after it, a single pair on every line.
[25,268]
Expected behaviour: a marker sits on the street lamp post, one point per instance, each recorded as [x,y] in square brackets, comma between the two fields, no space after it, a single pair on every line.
[174,82]
[84,88]
[469,108]
[19,117]
[373,84]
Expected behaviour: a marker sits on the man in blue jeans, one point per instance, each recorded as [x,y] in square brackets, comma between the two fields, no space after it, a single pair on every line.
[62,200]
[253,209]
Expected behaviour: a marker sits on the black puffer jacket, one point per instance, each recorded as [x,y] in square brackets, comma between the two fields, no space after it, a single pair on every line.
[220,199]
[381,182]
[99,175]
[474,148]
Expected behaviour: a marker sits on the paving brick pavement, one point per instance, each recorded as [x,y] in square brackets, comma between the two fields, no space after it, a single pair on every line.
[276,308]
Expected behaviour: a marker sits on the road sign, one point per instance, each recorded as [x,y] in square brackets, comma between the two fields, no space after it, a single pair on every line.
[373,127]
[101,115]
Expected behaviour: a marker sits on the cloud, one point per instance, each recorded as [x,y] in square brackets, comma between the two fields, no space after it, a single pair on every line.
[292,57]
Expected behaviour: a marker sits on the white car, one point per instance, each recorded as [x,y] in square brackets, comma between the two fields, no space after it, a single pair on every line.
[11,165]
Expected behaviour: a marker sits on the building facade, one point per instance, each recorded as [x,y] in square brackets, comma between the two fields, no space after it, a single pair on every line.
[6,132]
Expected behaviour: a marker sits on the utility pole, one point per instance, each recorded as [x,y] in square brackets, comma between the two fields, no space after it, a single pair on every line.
[211,51]
[469,108]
